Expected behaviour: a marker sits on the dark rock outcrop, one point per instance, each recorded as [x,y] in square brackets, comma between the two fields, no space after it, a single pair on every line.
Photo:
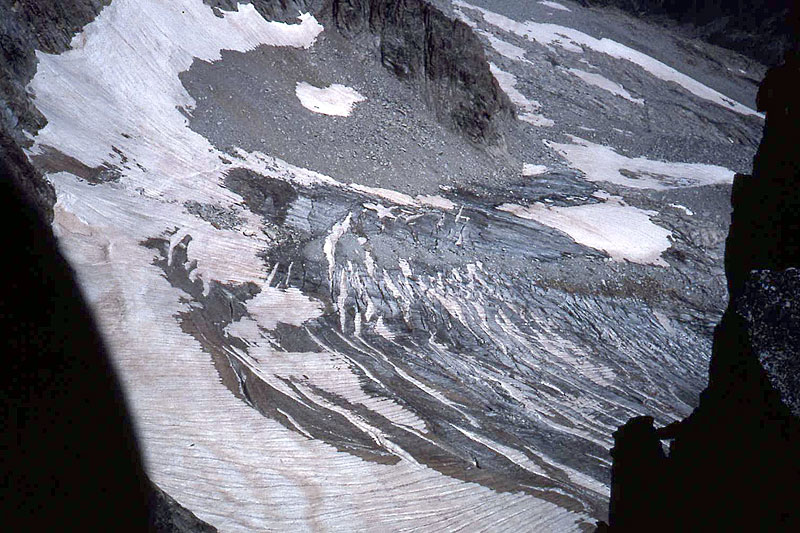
[734,463]
[168,516]
[420,43]
[19,171]
[760,29]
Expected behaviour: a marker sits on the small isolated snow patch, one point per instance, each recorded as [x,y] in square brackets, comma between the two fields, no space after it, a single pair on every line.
[335,100]
[622,231]
[683,208]
[435,201]
[603,163]
[504,48]
[555,5]
[381,210]
[604,83]
[533,170]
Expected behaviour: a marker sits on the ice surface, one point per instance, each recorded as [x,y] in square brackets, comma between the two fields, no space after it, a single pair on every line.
[118,91]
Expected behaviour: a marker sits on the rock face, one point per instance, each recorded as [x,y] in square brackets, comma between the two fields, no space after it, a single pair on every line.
[168,516]
[25,178]
[735,462]
[760,29]
[443,55]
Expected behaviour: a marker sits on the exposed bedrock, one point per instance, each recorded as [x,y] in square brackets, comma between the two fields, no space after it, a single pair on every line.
[734,463]
[761,29]
[25,177]
[443,55]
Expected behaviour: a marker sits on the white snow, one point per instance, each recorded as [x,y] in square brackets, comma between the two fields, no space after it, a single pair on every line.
[434,200]
[504,48]
[533,170]
[555,5]
[602,163]
[334,100]
[527,108]
[329,247]
[683,208]
[604,83]
[380,210]
[286,306]
[622,231]
[574,41]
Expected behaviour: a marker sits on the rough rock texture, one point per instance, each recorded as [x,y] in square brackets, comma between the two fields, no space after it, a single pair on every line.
[420,43]
[770,308]
[269,9]
[734,463]
[760,29]
[25,177]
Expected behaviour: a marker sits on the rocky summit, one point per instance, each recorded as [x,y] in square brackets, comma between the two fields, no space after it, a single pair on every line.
[361,265]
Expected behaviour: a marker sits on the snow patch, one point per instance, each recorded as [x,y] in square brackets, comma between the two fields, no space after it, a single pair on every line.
[604,83]
[433,200]
[380,210]
[527,108]
[334,100]
[555,5]
[533,170]
[683,208]
[504,48]
[603,163]
[622,231]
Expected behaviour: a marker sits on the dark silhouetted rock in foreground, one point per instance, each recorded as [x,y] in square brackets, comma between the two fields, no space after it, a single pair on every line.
[70,456]
[734,463]
[168,516]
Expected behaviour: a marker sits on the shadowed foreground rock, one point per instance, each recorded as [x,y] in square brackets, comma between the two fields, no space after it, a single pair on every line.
[70,456]
[734,463]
